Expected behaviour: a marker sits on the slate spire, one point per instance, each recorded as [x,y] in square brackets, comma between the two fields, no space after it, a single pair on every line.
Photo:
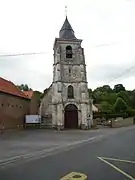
[66,31]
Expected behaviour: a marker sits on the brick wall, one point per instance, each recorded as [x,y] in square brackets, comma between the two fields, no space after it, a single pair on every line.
[12,110]
[34,104]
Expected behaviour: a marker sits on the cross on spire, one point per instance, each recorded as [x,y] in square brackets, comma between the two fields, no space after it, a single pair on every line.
[66,10]
[66,32]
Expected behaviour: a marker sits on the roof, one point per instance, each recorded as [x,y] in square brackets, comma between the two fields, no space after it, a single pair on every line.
[29,94]
[94,108]
[10,88]
[66,31]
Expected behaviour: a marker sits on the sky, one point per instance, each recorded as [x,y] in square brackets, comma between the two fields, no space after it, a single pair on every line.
[107,28]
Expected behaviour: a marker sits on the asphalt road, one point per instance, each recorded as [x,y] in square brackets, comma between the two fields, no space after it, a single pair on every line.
[91,157]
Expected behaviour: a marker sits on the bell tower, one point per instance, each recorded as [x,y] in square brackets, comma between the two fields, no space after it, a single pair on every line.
[71,105]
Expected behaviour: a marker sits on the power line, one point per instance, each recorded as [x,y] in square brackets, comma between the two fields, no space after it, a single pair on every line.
[21,54]
[102,45]
[126,71]
[33,53]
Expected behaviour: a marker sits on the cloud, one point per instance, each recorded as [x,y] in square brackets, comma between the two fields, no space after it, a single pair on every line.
[27,70]
[109,23]
[109,72]
[112,74]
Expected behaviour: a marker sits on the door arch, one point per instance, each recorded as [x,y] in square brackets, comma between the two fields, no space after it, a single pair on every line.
[71,117]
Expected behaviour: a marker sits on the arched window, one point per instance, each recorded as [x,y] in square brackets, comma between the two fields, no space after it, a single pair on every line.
[70,92]
[68,52]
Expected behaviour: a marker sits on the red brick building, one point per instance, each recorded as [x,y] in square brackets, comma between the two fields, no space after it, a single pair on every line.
[14,105]
[34,101]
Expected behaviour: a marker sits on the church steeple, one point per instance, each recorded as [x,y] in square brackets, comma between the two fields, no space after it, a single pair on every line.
[66,31]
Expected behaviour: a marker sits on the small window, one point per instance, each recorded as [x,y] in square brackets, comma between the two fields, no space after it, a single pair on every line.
[70,92]
[12,105]
[69,70]
[59,87]
[69,52]
[2,105]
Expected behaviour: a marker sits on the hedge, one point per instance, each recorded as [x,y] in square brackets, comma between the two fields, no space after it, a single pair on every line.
[110,115]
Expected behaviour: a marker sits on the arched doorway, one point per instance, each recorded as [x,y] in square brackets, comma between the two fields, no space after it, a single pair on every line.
[71,117]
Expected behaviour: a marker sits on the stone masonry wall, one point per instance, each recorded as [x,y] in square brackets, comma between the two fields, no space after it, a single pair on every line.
[46,107]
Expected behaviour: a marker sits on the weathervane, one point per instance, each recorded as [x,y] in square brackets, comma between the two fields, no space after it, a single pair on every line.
[65,10]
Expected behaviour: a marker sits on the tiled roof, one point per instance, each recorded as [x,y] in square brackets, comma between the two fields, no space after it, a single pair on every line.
[10,88]
[29,94]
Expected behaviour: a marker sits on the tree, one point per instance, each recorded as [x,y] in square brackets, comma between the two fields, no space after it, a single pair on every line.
[102,94]
[132,98]
[38,95]
[120,105]
[117,101]
[97,96]
[44,93]
[110,98]
[104,89]
[118,88]
[24,87]
[107,89]
[125,96]
[105,107]
[90,92]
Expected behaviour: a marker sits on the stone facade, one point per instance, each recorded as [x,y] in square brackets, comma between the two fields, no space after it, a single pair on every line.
[69,72]
[46,104]
[69,80]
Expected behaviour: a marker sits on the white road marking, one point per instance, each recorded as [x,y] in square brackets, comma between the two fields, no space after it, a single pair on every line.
[119,160]
[117,169]
[44,151]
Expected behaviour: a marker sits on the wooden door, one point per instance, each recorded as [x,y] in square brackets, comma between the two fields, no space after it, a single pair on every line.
[71,117]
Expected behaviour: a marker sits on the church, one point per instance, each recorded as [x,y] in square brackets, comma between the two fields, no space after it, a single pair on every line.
[67,104]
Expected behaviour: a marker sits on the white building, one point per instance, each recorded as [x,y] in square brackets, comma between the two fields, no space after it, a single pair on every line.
[69,101]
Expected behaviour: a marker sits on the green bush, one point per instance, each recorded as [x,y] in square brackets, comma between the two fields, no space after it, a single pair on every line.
[120,105]
[105,107]
[109,115]
[131,112]
[115,115]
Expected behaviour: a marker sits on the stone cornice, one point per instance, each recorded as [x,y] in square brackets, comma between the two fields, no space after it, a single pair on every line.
[71,63]
[72,102]
[70,81]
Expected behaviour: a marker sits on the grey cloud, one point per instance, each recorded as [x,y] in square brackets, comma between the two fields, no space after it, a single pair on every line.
[10,62]
[16,70]
[13,70]
[36,80]
[109,72]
